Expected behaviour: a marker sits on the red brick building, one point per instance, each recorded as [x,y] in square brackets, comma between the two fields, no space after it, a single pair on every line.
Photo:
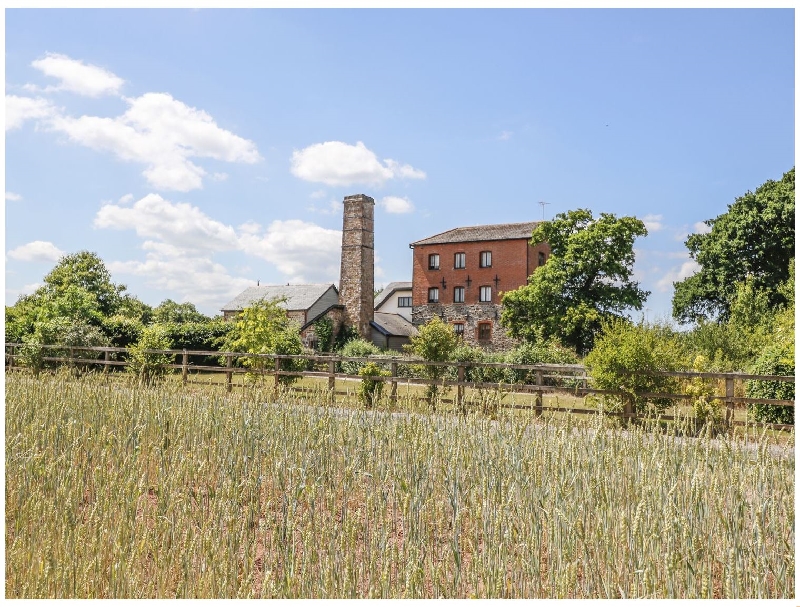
[460,276]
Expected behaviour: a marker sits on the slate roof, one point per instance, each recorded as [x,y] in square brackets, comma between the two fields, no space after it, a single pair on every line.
[501,231]
[393,324]
[389,290]
[298,297]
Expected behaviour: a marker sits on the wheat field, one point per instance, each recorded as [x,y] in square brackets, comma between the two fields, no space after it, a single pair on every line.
[118,491]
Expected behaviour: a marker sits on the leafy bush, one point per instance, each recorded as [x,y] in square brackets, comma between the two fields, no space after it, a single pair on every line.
[435,342]
[122,331]
[622,356]
[541,352]
[777,359]
[59,331]
[323,328]
[149,367]
[357,348]
[707,411]
[369,392]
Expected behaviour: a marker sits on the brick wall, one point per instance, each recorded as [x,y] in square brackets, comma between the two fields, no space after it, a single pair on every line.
[357,275]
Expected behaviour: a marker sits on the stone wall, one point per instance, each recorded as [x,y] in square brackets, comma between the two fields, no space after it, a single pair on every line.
[472,316]
[357,280]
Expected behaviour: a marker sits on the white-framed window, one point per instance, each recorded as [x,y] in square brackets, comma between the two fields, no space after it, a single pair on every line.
[460,261]
[484,331]
[403,302]
[458,294]
[458,328]
[433,295]
[486,259]
[486,294]
[433,261]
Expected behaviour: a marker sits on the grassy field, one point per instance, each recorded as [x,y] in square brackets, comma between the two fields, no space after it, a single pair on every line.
[119,491]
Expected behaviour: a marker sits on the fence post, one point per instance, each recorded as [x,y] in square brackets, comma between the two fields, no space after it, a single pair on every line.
[229,373]
[106,358]
[539,397]
[10,358]
[460,389]
[393,391]
[332,381]
[277,373]
[729,404]
[185,366]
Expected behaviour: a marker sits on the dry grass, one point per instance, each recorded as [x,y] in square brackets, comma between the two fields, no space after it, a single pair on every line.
[117,491]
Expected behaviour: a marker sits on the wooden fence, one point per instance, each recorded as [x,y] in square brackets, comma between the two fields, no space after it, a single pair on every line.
[546,378]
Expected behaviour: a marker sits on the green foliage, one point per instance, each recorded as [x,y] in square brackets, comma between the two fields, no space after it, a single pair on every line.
[265,328]
[624,351]
[545,351]
[369,392]
[586,280]
[435,342]
[86,271]
[356,348]
[122,331]
[754,238]
[343,336]
[777,359]
[133,308]
[59,331]
[169,311]
[149,367]
[323,327]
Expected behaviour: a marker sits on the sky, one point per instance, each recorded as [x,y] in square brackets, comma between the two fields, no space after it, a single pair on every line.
[200,151]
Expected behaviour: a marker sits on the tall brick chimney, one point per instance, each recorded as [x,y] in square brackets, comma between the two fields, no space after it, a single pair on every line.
[357,277]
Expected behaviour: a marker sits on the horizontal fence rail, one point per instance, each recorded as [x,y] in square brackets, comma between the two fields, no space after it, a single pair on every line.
[547,378]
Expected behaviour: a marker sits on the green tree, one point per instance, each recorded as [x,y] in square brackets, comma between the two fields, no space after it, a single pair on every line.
[265,328]
[435,342]
[170,311]
[586,280]
[753,240]
[146,365]
[87,271]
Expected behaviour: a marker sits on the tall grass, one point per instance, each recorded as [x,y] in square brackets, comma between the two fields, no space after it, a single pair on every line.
[115,491]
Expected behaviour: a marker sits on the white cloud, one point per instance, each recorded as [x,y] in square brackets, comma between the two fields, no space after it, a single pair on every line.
[219,176]
[180,240]
[701,228]
[20,109]
[505,135]
[336,163]
[334,207]
[24,290]
[686,269]
[125,199]
[179,224]
[396,204]
[38,250]
[77,77]
[162,133]
[303,251]
[317,194]
[653,223]
[13,197]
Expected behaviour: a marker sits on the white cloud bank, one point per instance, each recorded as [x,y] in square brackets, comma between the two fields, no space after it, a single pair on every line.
[13,197]
[158,131]
[686,269]
[701,228]
[653,223]
[162,133]
[336,163]
[180,241]
[77,77]
[20,109]
[396,204]
[38,250]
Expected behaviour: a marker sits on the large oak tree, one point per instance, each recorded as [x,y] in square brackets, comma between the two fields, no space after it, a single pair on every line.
[586,280]
[753,241]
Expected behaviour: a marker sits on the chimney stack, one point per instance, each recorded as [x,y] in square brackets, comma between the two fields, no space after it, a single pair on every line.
[357,276]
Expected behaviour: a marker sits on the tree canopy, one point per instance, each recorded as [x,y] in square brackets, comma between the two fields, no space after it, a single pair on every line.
[586,280]
[753,240]
[87,271]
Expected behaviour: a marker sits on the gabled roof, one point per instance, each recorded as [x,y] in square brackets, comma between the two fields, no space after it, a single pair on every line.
[393,325]
[500,231]
[387,292]
[298,297]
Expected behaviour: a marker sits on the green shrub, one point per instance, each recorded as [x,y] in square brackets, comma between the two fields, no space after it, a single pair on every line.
[356,348]
[777,359]
[59,331]
[707,410]
[149,367]
[622,356]
[548,352]
[369,392]
[435,342]
[323,327]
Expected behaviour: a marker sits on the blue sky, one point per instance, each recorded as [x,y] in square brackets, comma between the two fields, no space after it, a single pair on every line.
[198,151]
